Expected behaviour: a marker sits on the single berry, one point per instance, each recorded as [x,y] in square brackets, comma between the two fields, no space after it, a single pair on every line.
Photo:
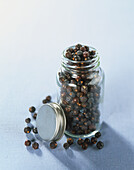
[27,129]
[66,145]
[68,54]
[84,146]
[93,140]
[84,89]
[35,145]
[53,145]
[70,141]
[85,54]
[100,145]
[79,53]
[32,109]
[92,52]
[83,49]
[27,143]
[83,99]
[98,134]
[35,115]
[78,46]
[35,130]
[28,120]
[44,101]
[80,141]
[48,98]
[87,141]
[87,48]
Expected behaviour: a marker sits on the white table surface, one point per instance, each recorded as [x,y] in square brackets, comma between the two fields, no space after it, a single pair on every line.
[32,36]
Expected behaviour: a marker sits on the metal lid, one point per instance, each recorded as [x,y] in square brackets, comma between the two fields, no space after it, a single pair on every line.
[51,122]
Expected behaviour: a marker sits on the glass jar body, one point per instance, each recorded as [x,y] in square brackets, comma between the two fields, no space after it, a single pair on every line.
[80,94]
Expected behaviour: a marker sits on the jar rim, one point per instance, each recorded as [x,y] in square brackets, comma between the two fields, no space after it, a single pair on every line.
[82,61]
[90,64]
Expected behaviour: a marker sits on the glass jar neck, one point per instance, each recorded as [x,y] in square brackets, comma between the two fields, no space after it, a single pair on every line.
[81,67]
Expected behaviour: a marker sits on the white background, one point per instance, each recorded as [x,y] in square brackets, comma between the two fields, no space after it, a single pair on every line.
[33,35]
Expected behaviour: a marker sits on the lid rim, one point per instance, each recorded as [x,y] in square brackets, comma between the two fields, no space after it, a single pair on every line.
[60,120]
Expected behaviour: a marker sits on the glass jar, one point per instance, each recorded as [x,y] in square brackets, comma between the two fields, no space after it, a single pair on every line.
[81,91]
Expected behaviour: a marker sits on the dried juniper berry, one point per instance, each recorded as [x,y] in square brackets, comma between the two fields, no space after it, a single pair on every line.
[66,145]
[35,115]
[84,105]
[48,98]
[92,52]
[62,79]
[27,143]
[75,100]
[70,141]
[68,55]
[85,54]
[83,49]
[35,130]
[32,109]
[70,50]
[27,129]
[53,145]
[68,109]
[80,141]
[78,46]
[28,120]
[100,145]
[98,134]
[84,146]
[79,53]
[35,145]
[87,48]
[93,140]
[83,99]
[87,141]
[69,89]
[84,89]
[44,101]
[73,81]
[83,76]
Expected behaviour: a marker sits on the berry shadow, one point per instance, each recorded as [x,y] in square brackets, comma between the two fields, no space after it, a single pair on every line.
[30,136]
[38,152]
[30,125]
[30,149]
[116,154]
[66,157]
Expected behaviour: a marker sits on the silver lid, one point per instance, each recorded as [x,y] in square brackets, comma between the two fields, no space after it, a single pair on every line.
[51,122]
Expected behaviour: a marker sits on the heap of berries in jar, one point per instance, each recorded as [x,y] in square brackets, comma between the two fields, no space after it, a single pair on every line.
[81,87]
